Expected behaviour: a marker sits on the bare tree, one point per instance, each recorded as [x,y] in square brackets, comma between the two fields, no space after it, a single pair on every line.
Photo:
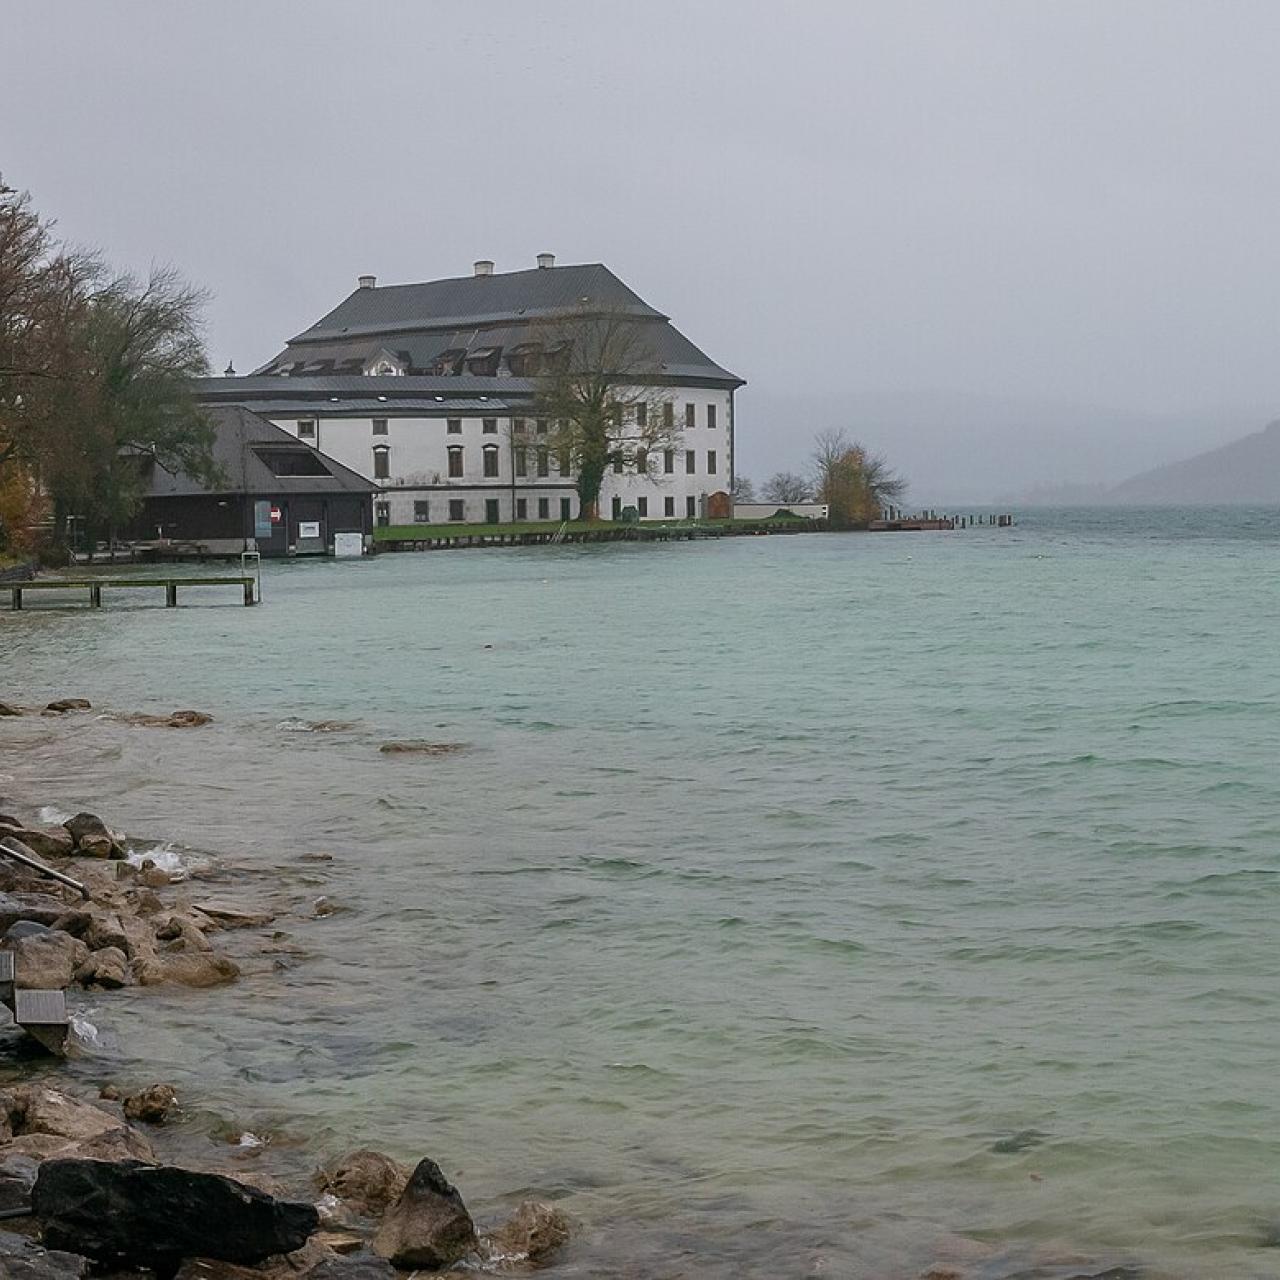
[743,489]
[785,487]
[598,390]
[43,292]
[856,484]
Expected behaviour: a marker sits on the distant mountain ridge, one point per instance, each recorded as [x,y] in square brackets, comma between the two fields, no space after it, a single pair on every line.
[1244,471]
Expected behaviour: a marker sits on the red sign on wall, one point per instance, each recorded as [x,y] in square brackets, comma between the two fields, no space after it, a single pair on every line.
[276,516]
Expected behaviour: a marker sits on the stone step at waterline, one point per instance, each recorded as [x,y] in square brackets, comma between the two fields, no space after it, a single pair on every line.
[41,1014]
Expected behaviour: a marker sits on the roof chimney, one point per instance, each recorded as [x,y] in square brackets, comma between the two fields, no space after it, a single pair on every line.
[484,267]
[367,282]
[546,259]
[229,371]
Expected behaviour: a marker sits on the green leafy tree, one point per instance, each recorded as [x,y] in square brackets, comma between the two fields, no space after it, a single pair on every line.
[132,405]
[596,389]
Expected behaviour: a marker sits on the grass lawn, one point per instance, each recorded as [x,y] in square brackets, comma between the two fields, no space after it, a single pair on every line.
[422,532]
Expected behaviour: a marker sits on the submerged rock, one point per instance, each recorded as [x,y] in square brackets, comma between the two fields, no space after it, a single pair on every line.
[131,1214]
[8,709]
[535,1230]
[92,837]
[422,748]
[366,1180]
[69,704]
[428,1226]
[186,969]
[229,916]
[152,1104]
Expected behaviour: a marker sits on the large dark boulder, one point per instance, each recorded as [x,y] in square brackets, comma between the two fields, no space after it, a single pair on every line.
[428,1226]
[132,1214]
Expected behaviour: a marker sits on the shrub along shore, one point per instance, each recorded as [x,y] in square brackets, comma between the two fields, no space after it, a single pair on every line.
[103,1182]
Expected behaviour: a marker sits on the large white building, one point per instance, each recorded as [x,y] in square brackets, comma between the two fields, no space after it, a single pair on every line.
[429,391]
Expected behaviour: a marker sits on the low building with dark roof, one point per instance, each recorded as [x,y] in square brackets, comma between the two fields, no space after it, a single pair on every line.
[276,494]
[428,390]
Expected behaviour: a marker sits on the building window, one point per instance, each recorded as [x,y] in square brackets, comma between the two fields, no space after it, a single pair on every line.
[566,508]
[542,426]
[522,508]
[617,507]
[379,426]
[711,462]
[455,463]
[668,506]
[690,416]
[489,426]
[617,464]
[544,508]
[522,461]
[565,462]
[381,463]
[544,464]
[642,415]
[642,461]
[457,510]
[711,416]
[615,412]
[490,461]
[491,515]
[421,512]
[642,506]
[668,414]
[691,506]
[690,462]
[668,461]
[455,426]
[517,425]
[382,514]
[307,429]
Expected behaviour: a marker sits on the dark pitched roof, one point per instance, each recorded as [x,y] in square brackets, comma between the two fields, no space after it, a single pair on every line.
[417,323]
[476,300]
[242,444]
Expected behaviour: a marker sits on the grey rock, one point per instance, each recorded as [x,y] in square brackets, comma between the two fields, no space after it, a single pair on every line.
[17,1177]
[26,929]
[428,1226]
[38,907]
[23,1259]
[352,1269]
[92,836]
[126,1213]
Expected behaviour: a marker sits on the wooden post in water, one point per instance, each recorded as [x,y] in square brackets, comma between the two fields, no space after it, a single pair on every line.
[171,595]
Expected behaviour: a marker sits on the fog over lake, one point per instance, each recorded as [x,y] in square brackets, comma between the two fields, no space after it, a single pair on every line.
[1007,244]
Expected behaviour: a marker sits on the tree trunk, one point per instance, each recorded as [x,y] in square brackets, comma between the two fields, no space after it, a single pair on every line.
[590,478]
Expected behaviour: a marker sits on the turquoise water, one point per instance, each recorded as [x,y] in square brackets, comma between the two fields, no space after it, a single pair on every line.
[797,902]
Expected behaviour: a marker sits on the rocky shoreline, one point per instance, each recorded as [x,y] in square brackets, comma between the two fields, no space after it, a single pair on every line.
[103,1185]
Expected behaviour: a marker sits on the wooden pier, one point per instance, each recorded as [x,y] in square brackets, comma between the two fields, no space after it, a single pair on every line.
[96,586]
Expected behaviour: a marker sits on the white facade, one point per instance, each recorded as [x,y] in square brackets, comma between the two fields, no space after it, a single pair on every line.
[463,465]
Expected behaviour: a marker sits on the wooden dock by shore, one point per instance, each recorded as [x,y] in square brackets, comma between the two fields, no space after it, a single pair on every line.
[95,587]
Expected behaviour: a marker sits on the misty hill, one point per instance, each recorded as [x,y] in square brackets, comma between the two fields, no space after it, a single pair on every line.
[1245,471]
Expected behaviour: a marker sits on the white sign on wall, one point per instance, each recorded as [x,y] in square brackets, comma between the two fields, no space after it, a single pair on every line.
[308,528]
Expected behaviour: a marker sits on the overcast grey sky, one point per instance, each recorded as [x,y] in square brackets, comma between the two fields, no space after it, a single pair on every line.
[1007,241]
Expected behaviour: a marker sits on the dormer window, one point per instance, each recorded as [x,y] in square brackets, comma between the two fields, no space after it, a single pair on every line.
[448,364]
[525,360]
[483,363]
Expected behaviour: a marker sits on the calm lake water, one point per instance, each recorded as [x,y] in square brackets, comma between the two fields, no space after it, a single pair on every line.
[797,904]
